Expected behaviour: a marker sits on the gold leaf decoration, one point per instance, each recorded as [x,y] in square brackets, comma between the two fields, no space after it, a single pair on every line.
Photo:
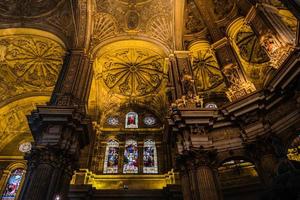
[29,63]
[104,26]
[206,71]
[159,27]
[133,71]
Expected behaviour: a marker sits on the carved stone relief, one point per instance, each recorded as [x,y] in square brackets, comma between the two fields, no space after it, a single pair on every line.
[104,27]
[206,71]
[150,18]
[249,45]
[13,118]
[28,64]
[132,71]
[222,8]
[193,21]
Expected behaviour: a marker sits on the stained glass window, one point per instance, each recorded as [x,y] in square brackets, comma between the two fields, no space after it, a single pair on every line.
[113,121]
[130,157]
[211,105]
[131,120]
[149,121]
[150,157]
[13,184]
[111,160]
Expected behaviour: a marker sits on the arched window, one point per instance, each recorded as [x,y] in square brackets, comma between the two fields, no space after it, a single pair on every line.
[13,184]
[131,120]
[130,157]
[150,157]
[111,157]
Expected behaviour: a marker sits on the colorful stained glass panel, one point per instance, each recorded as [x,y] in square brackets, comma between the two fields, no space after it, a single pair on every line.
[150,157]
[131,120]
[130,157]
[111,157]
[13,184]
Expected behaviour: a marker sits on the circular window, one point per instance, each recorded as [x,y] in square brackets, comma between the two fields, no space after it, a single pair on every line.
[113,121]
[211,105]
[149,121]
[25,147]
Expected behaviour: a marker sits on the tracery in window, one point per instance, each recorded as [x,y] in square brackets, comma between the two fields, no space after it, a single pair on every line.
[131,120]
[130,157]
[13,184]
[113,121]
[149,121]
[150,157]
[111,157]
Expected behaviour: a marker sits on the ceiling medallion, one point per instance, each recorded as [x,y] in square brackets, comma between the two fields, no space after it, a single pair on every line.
[32,59]
[206,71]
[133,72]
[149,121]
[25,147]
[113,121]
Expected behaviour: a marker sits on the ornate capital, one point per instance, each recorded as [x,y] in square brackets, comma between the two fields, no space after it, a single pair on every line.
[195,158]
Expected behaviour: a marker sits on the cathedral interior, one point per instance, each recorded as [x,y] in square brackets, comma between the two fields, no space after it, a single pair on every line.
[150,99]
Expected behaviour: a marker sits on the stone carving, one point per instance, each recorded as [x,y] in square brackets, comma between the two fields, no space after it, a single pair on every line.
[206,71]
[13,118]
[250,47]
[61,19]
[28,8]
[239,86]
[28,63]
[33,60]
[147,17]
[132,20]
[104,27]
[132,71]
[193,21]
[277,51]
[222,8]
[159,27]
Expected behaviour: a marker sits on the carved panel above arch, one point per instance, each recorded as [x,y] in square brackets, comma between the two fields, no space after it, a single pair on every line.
[139,19]
[29,63]
[132,71]
[105,26]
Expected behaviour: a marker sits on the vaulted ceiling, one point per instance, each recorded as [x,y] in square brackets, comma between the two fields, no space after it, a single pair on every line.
[129,41]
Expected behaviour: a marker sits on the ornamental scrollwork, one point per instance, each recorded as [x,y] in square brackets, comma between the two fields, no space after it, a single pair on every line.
[206,71]
[132,71]
[29,63]
[33,60]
